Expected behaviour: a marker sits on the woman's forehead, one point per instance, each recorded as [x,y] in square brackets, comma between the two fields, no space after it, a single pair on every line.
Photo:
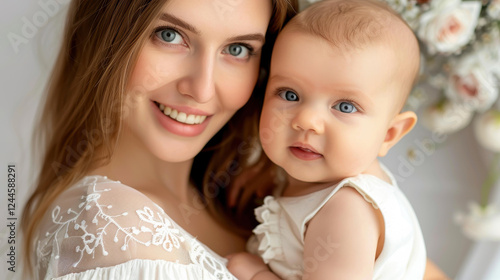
[222,17]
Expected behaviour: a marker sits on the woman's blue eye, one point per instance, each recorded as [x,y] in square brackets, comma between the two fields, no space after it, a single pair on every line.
[169,35]
[237,50]
[289,95]
[345,107]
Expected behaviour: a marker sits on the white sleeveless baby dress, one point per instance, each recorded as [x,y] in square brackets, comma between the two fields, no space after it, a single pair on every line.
[279,239]
[102,229]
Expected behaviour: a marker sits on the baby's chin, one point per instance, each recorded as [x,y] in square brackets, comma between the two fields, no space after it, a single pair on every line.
[305,177]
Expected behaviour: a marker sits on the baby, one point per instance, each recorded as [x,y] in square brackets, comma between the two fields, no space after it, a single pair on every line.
[340,74]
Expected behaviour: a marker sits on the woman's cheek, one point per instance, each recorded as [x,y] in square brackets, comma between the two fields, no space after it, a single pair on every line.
[156,67]
[238,89]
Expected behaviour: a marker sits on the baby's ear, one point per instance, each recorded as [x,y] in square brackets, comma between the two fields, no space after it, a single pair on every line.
[400,125]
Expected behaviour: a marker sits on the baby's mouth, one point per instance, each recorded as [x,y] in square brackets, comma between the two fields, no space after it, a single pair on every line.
[304,152]
[304,148]
[180,116]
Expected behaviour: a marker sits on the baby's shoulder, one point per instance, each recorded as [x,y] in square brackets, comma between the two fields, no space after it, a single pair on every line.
[347,199]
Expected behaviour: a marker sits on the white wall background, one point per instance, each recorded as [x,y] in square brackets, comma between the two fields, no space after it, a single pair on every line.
[438,183]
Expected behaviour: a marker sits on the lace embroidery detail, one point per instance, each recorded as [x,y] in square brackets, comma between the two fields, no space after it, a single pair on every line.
[163,231]
[200,256]
[157,229]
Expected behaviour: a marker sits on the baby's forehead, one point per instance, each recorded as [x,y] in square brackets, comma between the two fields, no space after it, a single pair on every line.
[384,45]
[349,24]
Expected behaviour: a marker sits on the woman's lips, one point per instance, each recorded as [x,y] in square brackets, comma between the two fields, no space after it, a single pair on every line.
[176,127]
[304,152]
[184,115]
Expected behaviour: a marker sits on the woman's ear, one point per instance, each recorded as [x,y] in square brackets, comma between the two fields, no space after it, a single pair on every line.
[400,125]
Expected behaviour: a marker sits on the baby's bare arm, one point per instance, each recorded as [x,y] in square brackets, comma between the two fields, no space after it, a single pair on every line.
[341,241]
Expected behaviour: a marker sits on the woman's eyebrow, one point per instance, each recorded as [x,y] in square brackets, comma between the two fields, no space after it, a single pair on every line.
[249,37]
[177,21]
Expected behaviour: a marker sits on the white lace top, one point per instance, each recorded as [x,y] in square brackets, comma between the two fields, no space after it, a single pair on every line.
[102,229]
[279,239]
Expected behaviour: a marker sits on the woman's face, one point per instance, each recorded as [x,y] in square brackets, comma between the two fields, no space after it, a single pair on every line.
[198,67]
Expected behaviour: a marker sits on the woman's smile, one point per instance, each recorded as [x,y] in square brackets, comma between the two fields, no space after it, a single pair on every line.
[186,115]
[180,122]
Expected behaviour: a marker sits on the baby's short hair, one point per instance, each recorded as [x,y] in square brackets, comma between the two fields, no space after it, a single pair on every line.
[347,23]
[354,24]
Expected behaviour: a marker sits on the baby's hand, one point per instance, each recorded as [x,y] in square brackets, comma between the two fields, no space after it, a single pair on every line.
[245,266]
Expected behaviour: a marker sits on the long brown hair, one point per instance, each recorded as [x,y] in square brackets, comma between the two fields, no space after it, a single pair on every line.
[85,98]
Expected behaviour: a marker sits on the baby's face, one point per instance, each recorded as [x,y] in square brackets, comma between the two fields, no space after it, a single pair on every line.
[326,113]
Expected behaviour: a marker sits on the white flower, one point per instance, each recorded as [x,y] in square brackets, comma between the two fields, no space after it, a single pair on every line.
[487,130]
[494,9]
[490,51]
[416,99]
[446,117]
[471,82]
[303,4]
[479,223]
[448,25]
[397,5]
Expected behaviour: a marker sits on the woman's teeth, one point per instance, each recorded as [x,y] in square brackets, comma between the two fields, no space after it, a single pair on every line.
[181,116]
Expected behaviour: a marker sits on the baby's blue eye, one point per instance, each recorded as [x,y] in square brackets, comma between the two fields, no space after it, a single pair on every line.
[345,107]
[169,35]
[237,50]
[289,95]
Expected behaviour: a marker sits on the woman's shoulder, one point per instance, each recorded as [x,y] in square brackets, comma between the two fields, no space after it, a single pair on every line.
[100,195]
[95,187]
[101,222]
[97,197]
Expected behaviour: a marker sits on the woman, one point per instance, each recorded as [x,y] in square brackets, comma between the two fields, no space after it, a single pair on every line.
[139,88]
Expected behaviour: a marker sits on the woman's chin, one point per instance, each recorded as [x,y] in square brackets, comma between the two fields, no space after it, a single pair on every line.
[176,154]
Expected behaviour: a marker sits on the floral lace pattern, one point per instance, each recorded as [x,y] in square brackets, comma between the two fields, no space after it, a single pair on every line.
[200,256]
[157,229]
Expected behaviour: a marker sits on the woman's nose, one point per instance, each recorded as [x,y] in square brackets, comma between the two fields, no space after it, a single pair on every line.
[309,119]
[198,81]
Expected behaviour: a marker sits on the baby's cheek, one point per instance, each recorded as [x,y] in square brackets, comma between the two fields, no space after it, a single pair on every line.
[266,133]
[274,123]
[350,154]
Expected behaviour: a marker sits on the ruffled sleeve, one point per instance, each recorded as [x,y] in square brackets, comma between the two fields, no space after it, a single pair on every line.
[267,232]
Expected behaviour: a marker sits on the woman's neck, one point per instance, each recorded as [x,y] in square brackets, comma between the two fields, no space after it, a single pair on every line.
[134,165]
